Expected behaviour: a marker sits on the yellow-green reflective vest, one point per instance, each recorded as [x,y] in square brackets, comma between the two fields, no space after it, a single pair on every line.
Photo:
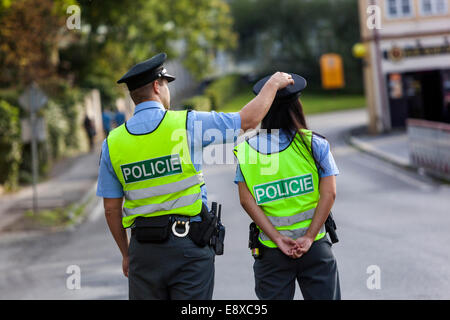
[288,193]
[155,170]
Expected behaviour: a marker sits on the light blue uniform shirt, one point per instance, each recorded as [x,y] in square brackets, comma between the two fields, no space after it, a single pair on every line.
[269,143]
[147,117]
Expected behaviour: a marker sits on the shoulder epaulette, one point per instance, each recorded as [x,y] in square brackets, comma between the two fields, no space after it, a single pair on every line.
[319,135]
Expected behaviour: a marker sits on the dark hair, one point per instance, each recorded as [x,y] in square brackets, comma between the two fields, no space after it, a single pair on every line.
[288,115]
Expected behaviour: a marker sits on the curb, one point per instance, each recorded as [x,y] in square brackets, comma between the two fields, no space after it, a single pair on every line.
[88,200]
[368,148]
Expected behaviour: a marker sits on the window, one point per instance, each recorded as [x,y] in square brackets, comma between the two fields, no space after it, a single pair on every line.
[433,7]
[399,9]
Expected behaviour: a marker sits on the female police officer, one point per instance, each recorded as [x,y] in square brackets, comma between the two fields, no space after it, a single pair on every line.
[287,186]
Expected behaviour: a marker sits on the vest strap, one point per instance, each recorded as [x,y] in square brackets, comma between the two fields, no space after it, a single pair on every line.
[164,206]
[165,188]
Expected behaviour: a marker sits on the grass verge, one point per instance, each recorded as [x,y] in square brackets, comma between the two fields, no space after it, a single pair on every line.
[56,218]
[312,102]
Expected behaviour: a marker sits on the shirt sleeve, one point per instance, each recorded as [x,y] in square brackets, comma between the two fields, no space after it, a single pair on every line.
[322,154]
[108,185]
[239,177]
[213,127]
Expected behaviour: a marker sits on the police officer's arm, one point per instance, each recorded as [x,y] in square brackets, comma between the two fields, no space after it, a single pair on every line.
[254,111]
[113,214]
[327,190]
[285,244]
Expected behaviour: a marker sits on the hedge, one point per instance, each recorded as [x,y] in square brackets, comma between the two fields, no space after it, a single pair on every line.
[64,115]
[223,89]
[58,129]
[10,145]
[66,99]
[199,103]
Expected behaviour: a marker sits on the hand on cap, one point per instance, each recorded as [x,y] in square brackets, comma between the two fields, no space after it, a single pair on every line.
[281,79]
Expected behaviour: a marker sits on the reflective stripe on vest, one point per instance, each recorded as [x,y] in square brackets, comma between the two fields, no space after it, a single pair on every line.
[164,206]
[290,220]
[164,189]
[290,194]
[156,170]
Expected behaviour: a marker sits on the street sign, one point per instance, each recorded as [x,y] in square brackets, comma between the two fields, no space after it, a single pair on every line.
[26,129]
[332,71]
[33,98]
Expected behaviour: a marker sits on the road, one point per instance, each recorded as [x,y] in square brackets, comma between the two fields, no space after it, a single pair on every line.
[387,217]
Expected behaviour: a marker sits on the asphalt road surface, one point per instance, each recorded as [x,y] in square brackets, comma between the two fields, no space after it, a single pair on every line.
[393,228]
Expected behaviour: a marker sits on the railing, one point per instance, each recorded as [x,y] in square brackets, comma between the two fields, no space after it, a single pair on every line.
[429,146]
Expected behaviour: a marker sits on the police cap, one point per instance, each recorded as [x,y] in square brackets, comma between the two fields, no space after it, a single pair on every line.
[146,72]
[292,91]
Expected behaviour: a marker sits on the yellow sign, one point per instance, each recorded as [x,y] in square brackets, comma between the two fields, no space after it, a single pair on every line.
[332,71]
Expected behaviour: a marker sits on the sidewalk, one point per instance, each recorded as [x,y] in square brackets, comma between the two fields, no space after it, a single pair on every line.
[394,147]
[391,147]
[72,180]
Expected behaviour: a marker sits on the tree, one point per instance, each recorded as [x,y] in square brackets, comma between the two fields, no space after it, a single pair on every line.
[290,35]
[119,33]
[29,39]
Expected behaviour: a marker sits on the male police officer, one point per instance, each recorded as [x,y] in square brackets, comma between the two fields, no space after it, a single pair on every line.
[143,163]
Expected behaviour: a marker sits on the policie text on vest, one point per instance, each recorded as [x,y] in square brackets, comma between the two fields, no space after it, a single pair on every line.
[151,168]
[284,188]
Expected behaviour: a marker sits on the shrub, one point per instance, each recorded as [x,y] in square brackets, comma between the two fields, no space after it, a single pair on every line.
[223,89]
[10,145]
[58,128]
[199,103]
[66,99]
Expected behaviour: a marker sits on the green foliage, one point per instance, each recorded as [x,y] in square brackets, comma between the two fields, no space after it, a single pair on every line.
[64,110]
[199,103]
[10,95]
[29,37]
[118,34]
[44,161]
[10,145]
[223,89]
[58,129]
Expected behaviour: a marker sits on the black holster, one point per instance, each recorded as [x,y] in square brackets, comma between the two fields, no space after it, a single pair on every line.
[253,242]
[201,232]
[218,237]
[330,227]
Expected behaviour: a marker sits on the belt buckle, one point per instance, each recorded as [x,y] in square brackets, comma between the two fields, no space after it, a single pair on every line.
[186,228]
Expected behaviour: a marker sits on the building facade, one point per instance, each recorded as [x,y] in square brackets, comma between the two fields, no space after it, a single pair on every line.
[407,61]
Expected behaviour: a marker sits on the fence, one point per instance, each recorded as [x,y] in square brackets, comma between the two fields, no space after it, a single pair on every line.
[429,146]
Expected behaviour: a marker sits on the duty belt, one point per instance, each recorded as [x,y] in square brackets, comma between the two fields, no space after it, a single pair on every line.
[178,221]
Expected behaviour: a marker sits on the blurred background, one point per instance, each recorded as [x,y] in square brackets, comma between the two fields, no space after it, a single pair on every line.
[378,75]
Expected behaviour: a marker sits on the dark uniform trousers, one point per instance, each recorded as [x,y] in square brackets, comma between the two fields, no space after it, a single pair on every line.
[176,269]
[316,273]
